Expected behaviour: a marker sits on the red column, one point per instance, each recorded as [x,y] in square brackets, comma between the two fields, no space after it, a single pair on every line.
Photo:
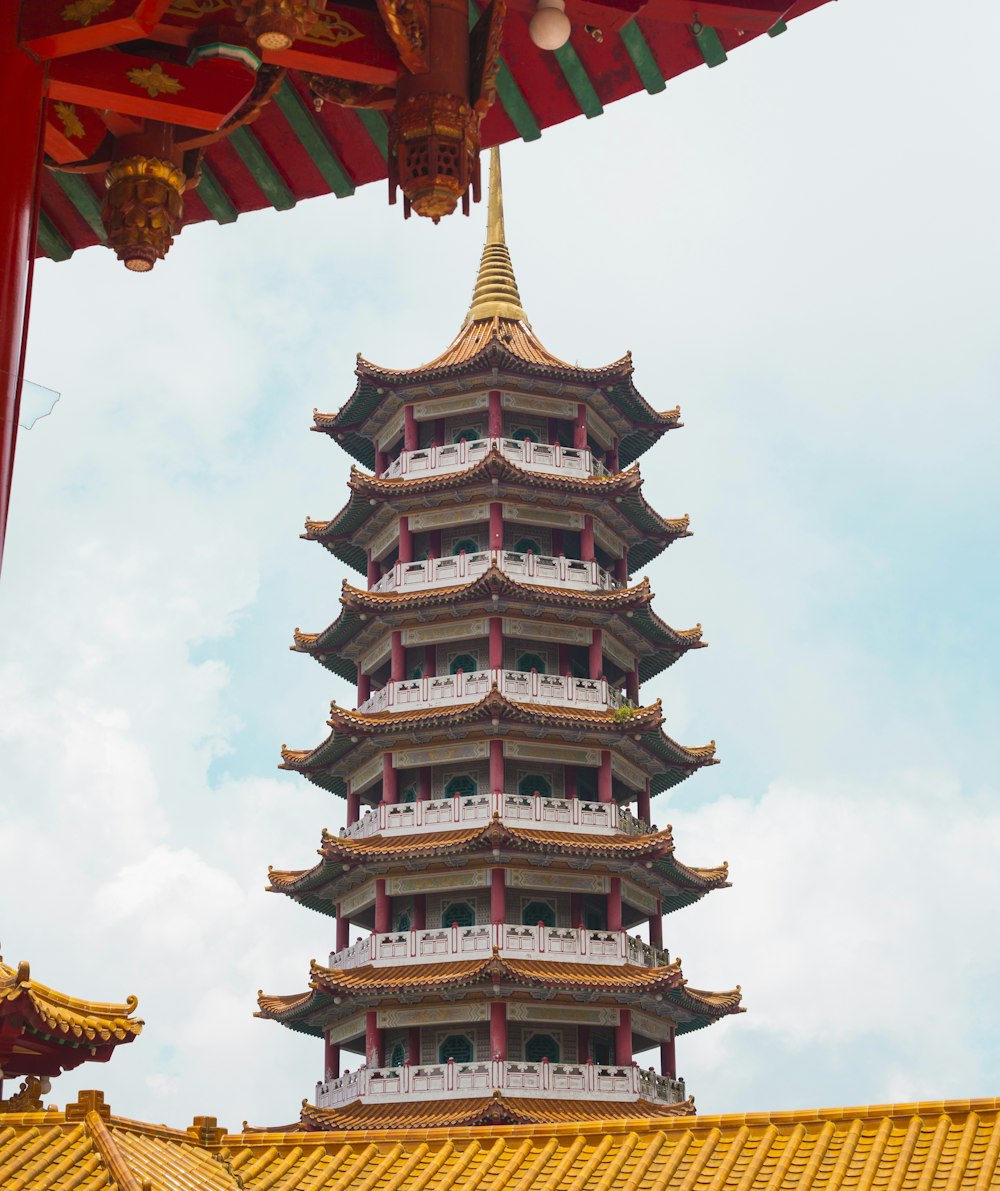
[623,1038]
[604,777]
[498,897]
[621,566]
[496,415]
[496,525]
[413,1046]
[364,686]
[381,462]
[615,904]
[587,550]
[576,909]
[410,432]
[583,1044]
[383,908]
[374,1050]
[21,80]
[632,684]
[611,462]
[435,543]
[405,540]
[498,1031]
[496,643]
[439,432]
[496,766]
[656,926]
[668,1056]
[374,570]
[331,1059]
[569,779]
[430,661]
[343,932]
[424,785]
[564,664]
[420,911]
[353,806]
[596,653]
[397,657]
[390,780]
[580,428]
[643,807]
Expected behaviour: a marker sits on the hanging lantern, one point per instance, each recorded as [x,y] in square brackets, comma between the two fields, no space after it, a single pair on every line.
[275,24]
[434,151]
[144,204]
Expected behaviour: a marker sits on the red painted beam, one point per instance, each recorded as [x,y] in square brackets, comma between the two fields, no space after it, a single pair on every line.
[72,133]
[56,28]
[347,43]
[754,16]
[202,96]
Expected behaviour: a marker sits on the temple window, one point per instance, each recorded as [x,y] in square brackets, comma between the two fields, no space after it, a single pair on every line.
[525,434]
[403,922]
[466,546]
[531,661]
[398,1056]
[527,546]
[458,914]
[463,786]
[464,662]
[416,673]
[541,1046]
[535,912]
[467,434]
[409,794]
[457,1047]
[534,783]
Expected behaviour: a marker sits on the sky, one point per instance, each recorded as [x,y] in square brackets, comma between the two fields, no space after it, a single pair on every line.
[801,249]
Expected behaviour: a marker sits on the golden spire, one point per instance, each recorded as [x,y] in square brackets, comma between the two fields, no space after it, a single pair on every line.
[495,295]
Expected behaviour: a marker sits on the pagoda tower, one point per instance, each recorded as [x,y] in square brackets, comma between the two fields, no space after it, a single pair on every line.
[499,765]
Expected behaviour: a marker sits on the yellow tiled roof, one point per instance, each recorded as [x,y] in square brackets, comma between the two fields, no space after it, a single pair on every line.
[65,1016]
[936,1146]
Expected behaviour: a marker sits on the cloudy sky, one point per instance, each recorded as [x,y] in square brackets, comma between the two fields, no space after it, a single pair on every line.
[801,248]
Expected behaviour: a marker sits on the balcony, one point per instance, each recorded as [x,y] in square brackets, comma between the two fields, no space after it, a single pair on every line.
[471,810]
[547,458]
[559,944]
[541,569]
[520,686]
[567,1081]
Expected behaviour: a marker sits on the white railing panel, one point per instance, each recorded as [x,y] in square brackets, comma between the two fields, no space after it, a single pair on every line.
[542,569]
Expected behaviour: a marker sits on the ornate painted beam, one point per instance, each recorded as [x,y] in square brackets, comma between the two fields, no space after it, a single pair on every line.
[642,58]
[55,28]
[377,128]
[72,133]
[510,94]
[308,131]
[576,75]
[708,42]
[212,194]
[87,204]
[51,239]
[265,173]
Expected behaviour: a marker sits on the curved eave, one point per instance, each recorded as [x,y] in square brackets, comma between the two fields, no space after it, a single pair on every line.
[679,761]
[63,1019]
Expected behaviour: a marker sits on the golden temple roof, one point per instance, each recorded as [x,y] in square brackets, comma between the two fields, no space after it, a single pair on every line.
[932,1146]
[64,1016]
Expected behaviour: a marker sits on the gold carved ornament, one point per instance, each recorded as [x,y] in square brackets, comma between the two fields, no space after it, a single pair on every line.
[484,55]
[433,152]
[407,22]
[143,207]
[71,122]
[276,24]
[154,80]
[28,1097]
[84,11]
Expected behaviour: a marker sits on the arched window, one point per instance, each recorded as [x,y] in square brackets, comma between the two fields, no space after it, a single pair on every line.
[409,794]
[535,912]
[531,661]
[458,914]
[403,922]
[464,662]
[541,1046]
[468,545]
[534,783]
[398,1056]
[457,1047]
[527,546]
[469,434]
[416,673]
[525,434]
[462,785]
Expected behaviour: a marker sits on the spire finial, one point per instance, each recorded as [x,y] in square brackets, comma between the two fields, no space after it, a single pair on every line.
[496,294]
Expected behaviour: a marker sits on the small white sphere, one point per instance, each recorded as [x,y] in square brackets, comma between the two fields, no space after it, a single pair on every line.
[550,27]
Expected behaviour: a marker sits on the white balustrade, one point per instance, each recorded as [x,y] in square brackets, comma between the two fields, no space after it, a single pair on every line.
[524,810]
[571,1081]
[568,944]
[548,458]
[521,686]
[541,569]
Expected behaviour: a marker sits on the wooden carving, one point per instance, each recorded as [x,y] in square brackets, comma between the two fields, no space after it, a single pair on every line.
[408,22]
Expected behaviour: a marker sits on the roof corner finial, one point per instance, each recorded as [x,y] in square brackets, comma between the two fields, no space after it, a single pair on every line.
[496,294]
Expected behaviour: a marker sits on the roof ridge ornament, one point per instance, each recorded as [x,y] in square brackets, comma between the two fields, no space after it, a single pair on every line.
[496,294]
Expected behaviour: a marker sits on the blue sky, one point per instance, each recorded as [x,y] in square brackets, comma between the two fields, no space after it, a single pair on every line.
[801,249]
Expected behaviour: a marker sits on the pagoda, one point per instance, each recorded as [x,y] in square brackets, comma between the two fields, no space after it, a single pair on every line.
[499,765]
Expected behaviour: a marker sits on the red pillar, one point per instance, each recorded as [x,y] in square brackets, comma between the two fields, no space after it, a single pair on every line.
[587,550]
[439,432]
[496,525]
[430,661]
[498,1031]
[420,911]
[604,777]
[405,540]
[410,432]
[558,546]
[569,779]
[612,462]
[374,1050]
[496,766]
[364,686]
[623,1038]
[381,462]
[383,909]
[413,1046]
[580,428]
[424,785]
[496,415]
[582,1044]
[343,931]
[390,780]
[374,570]
[615,904]
[397,658]
[643,807]
[21,79]
[496,643]
[498,897]
[576,909]
[353,806]
[656,926]
[668,1055]
[331,1059]
[435,543]
[632,684]
[621,566]
[596,653]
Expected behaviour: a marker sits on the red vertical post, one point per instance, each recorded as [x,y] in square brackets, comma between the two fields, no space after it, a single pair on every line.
[668,1055]
[569,781]
[498,897]
[576,909]
[621,567]
[397,657]
[381,461]
[604,792]
[435,543]
[623,1038]
[413,1046]
[615,904]
[612,463]
[343,931]
[383,908]
[430,661]
[424,784]
[364,685]
[582,1044]
[374,570]
[420,911]
[405,540]
[21,80]
[374,1050]
[596,653]
[580,428]
[331,1058]
[496,415]
[496,525]
[439,432]
[643,806]
[553,429]
[353,806]
[558,546]
[656,926]
[587,550]
[496,643]
[390,780]
[496,766]
[410,432]
[498,1031]
[632,683]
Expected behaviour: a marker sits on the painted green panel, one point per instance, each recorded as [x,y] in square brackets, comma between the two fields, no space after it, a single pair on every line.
[579,81]
[83,198]
[214,197]
[308,131]
[511,95]
[50,239]
[777,28]
[263,169]
[709,44]
[377,129]
[642,58]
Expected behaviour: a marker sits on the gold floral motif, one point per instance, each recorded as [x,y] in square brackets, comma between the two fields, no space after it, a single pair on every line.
[71,122]
[332,30]
[144,205]
[198,8]
[154,81]
[84,11]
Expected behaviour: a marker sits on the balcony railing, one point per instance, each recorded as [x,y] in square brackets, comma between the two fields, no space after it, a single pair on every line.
[525,810]
[560,944]
[541,569]
[521,686]
[549,458]
[568,1081]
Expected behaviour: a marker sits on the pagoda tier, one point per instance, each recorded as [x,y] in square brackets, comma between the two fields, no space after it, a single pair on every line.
[499,766]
